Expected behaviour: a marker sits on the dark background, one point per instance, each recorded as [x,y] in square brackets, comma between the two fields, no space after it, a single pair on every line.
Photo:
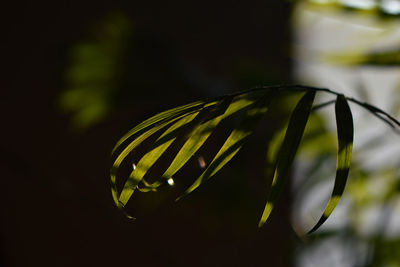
[56,203]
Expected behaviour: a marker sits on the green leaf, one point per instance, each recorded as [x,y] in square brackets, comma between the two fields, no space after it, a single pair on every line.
[213,117]
[273,151]
[247,122]
[294,132]
[345,132]
[158,148]
[213,110]
[169,114]
[362,58]
[200,134]
[146,129]
[200,119]
[137,141]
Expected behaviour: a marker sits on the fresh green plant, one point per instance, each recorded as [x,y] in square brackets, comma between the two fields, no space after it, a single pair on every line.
[196,121]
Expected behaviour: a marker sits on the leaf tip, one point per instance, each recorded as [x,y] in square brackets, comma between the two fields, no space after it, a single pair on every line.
[180,197]
[130,217]
[266,213]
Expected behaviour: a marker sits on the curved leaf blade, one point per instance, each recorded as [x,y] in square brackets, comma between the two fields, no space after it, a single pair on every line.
[273,151]
[248,121]
[294,133]
[200,135]
[345,132]
[148,160]
[128,149]
[221,108]
[239,104]
[165,115]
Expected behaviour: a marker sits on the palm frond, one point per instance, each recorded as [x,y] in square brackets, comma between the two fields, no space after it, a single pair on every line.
[195,122]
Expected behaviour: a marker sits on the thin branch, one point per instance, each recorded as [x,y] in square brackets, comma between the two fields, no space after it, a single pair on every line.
[374,110]
[322,105]
[387,118]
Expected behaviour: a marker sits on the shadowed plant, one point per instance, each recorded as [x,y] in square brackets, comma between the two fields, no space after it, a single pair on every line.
[195,122]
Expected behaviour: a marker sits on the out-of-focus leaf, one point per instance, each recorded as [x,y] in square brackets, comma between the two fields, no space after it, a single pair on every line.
[344,122]
[288,150]
[92,77]
[379,58]
[248,121]
[379,9]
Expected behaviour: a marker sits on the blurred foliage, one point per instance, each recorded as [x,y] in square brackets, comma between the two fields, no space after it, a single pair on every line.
[382,8]
[389,58]
[386,253]
[118,66]
[95,70]
[372,195]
